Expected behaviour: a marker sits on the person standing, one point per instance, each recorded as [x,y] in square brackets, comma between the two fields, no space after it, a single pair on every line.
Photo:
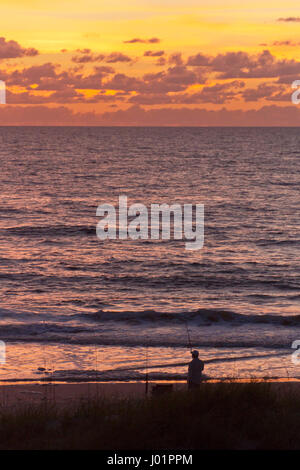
[196,367]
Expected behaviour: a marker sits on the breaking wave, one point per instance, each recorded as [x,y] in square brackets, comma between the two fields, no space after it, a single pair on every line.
[201,316]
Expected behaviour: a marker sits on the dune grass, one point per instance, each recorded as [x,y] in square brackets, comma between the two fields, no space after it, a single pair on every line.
[217,416]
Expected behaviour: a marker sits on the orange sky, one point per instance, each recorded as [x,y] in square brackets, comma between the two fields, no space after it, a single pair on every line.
[143,56]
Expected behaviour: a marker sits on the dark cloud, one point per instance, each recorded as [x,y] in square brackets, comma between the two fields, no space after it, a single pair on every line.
[43,115]
[264,90]
[266,116]
[137,116]
[47,77]
[84,51]
[68,95]
[199,60]
[174,84]
[216,94]
[151,99]
[143,41]
[117,57]
[123,82]
[269,92]
[154,53]
[287,43]
[86,56]
[174,79]
[36,74]
[242,65]
[175,59]
[234,64]
[161,61]
[287,79]
[102,97]
[290,19]
[12,49]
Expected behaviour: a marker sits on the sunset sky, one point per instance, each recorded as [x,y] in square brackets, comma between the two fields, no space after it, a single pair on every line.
[179,62]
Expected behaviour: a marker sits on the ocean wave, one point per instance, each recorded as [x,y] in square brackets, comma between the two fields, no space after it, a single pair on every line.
[266,242]
[202,316]
[226,278]
[50,230]
[136,337]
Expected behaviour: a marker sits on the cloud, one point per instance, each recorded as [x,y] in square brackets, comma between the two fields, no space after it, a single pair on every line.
[12,49]
[102,97]
[175,59]
[286,43]
[87,56]
[117,57]
[154,53]
[68,95]
[242,65]
[266,116]
[290,19]
[48,77]
[199,60]
[176,83]
[36,74]
[269,92]
[137,116]
[174,79]
[287,79]
[123,82]
[152,99]
[161,61]
[84,59]
[43,115]
[217,94]
[143,41]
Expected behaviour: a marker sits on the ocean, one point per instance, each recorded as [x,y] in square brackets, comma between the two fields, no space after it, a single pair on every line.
[77,308]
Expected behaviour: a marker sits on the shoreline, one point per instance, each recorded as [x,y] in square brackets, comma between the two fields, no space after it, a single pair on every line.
[74,381]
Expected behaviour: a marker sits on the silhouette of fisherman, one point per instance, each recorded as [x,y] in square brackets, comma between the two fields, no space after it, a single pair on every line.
[196,367]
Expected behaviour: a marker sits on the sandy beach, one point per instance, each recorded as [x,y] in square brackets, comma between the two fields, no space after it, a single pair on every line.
[71,393]
[66,394]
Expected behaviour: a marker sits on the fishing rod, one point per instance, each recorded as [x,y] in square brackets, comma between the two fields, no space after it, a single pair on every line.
[146,383]
[188,335]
